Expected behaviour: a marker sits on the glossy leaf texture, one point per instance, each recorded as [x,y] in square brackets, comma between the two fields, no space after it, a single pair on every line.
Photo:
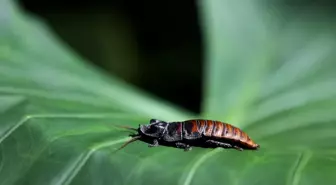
[270,74]
[273,75]
[34,63]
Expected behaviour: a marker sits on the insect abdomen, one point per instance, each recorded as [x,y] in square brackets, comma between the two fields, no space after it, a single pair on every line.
[191,130]
[220,130]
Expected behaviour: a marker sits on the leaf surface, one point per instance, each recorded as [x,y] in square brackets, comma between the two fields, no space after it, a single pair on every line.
[273,78]
[37,65]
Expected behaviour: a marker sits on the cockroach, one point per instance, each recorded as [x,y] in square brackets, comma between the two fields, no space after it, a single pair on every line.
[192,133]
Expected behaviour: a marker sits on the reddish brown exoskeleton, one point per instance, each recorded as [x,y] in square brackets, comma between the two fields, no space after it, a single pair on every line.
[192,133]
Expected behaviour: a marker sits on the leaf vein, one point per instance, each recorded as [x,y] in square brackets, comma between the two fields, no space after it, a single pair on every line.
[13,128]
[73,170]
[197,164]
[301,162]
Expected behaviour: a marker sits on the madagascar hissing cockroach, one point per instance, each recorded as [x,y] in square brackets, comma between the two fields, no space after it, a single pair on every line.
[192,133]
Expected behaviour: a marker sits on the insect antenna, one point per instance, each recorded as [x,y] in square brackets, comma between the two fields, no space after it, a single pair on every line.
[129,141]
[127,127]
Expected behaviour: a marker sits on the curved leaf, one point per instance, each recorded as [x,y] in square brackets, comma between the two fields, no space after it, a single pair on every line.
[273,78]
[36,65]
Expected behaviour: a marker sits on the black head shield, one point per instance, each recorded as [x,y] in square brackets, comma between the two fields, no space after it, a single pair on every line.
[156,128]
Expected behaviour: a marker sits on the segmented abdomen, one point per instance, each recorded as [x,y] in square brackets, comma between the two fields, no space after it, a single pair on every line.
[220,130]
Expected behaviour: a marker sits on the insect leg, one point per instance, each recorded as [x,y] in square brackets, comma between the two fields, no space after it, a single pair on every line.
[188,148]
[183,146]
[220,144]
[238,148]
[155,143]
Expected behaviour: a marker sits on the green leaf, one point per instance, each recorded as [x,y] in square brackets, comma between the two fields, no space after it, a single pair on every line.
[250,65]
[57,112]
[270,74]
[274,76]
[35,64]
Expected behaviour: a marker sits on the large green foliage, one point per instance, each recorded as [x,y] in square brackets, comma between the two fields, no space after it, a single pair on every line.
[272,77]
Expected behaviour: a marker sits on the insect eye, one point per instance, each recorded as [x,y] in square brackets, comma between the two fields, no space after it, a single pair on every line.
[154,121]
[153,129]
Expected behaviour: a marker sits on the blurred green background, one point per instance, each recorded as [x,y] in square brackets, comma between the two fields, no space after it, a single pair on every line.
[149,44]
[70,71]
